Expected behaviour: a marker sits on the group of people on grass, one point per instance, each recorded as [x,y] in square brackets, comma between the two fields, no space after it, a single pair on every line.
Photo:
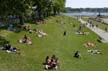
[9,49]
[54,63]
[40,33]
[92,51]
[51,62]
[27,40]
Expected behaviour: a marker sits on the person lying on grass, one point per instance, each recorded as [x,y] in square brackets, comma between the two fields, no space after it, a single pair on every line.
[82,33]
[51,63]
[89,44]
[25,39]
[14,50]
[9,49]
[94,51]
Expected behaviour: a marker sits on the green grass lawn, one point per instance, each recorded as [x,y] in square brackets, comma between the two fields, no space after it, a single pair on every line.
[100,25]
[64,47]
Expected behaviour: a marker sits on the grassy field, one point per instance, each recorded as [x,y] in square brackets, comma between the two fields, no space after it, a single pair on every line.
[64,47]
[100,25]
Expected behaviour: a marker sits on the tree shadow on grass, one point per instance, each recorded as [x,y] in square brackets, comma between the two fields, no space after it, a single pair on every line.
[2,26]
[31,22]
[16,29]
[36,21]
[3,41]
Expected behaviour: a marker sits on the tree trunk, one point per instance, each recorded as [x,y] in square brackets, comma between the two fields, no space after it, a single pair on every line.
[21,20]
[58,12]
[54,11]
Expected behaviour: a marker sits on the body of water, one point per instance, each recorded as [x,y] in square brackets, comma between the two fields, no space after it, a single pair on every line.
[84,14]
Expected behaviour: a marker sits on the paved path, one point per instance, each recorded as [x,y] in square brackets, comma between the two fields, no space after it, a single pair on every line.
[98,31]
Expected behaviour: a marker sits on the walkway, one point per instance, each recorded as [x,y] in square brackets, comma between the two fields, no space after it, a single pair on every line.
[98,31]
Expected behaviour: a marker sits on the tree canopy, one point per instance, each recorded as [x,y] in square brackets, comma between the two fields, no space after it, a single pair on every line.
[23,8]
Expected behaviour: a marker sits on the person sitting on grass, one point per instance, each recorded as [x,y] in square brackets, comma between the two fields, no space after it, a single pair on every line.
[53,57]
[25,39]
[64,33]
[77,54]
[47,60]
[51,63]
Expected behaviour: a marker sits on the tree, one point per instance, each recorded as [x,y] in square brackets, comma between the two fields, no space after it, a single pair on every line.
[20,8]
[58,5]
[24,8]
[48,7]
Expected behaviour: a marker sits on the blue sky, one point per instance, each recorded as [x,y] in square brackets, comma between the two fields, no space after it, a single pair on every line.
[86,3]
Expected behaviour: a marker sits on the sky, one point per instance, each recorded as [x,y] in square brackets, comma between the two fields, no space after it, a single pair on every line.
[86,3]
